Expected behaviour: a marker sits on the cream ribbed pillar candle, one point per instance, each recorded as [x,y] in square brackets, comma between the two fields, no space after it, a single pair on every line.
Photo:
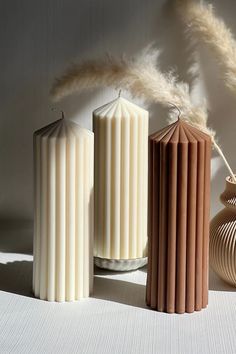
[121,162]
[63,228]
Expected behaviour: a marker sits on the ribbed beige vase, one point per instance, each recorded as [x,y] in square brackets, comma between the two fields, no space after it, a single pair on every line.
[223,236]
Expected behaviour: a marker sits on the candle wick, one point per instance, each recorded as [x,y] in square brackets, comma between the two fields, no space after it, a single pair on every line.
[56,110]
[119,93]
[176,107]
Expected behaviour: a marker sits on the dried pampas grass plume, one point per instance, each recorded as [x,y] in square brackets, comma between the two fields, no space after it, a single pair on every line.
[204,26]
[140,77]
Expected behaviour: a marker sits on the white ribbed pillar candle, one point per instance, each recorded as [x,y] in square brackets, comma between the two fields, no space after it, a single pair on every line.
[63,226]
[121,155]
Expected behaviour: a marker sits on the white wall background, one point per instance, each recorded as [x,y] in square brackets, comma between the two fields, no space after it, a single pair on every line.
[39,38]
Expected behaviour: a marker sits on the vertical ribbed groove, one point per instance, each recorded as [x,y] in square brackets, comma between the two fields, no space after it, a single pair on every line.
[70,219]
[107,193]
[61,218]
[155,221]
[150,217]
[199,225]
[191,229]
[140,189]
[144,203]
[43,219]
[162,230]
[125,180]
[37,223]
[51,219]
[78,211]
[133,186]
[80,220]
[97,140]
[115,187]
[181,228]
[86,217]
[91,213]
[207,177]
[172,212]
[100,185]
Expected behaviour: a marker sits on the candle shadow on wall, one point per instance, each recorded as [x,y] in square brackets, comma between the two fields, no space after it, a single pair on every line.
[16,277]
[16,237]
[222,119]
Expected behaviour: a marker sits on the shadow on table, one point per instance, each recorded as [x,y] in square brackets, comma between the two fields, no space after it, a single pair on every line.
[101,271]
[116,290]
[143,269]
[215,282]
[16,277]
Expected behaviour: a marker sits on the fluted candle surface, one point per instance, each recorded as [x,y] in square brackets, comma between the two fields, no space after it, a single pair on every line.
[121,162]
[63,227]
[179,203]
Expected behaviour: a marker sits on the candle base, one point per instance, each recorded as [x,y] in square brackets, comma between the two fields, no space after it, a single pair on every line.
[121,265]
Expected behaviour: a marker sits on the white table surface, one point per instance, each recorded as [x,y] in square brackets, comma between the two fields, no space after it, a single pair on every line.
[114,320]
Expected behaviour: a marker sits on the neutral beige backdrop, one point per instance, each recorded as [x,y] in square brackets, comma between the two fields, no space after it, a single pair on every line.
[39,38]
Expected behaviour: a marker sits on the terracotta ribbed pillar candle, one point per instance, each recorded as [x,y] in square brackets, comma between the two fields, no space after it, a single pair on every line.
[179,203]
[121,170]
[63,226]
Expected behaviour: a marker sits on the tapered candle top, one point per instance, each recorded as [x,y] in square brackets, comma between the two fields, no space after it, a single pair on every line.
[180,132]
[62,128]
[120,107]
